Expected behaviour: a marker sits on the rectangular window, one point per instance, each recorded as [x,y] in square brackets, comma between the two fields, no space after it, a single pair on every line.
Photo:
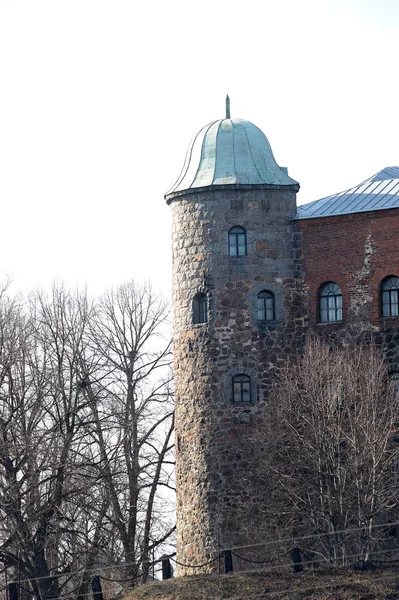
[241,388]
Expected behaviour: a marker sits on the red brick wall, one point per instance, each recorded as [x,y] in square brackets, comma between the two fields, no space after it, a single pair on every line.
[357,252]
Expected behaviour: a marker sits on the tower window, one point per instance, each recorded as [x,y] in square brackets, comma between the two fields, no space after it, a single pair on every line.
[389,297]
[241,388]
[330,302]
[237,241]
[266,306]
[200,308]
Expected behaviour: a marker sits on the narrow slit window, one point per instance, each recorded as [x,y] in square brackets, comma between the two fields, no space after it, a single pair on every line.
[200,309]
[237,241]
[241,388]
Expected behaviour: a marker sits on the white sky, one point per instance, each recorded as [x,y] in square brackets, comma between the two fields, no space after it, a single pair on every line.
[100,98]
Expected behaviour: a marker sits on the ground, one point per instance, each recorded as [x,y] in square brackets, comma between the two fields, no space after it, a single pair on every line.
[326,584]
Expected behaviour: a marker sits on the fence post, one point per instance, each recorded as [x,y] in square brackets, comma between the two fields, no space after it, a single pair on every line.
[228,562]
[166,567]
[12,591]
[96,588]
[296,559]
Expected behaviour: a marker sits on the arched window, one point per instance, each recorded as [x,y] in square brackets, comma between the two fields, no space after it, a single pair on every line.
[330,302]
[200,308]
[237,241]
[389,297]
[241,388]
[266,308]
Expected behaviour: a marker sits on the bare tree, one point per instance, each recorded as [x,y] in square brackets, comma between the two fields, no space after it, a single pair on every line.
[86,421]
[44,453]
[329,450]
[130,398]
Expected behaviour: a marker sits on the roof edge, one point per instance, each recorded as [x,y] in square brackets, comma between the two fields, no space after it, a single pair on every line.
[343,214]
[233,186]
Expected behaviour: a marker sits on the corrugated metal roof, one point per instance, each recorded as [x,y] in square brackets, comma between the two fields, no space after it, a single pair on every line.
[230,152]
[379,192]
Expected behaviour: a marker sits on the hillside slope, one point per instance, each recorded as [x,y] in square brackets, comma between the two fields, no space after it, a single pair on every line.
[326,584]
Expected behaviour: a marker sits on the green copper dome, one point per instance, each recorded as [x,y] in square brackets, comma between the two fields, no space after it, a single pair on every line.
[230,152]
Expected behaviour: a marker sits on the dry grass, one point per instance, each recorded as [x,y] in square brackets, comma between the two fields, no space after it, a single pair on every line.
[328,584]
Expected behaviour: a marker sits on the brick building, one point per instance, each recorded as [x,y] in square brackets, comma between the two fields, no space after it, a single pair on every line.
[252,275]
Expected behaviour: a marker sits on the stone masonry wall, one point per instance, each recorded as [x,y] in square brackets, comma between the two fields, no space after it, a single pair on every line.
[218,499]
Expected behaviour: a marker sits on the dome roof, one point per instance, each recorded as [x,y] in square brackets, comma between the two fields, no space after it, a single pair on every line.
[230,152]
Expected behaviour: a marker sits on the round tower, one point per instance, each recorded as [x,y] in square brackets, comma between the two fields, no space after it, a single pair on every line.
[237,275]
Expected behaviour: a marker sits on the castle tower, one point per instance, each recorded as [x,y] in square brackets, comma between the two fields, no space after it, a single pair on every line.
[237,277]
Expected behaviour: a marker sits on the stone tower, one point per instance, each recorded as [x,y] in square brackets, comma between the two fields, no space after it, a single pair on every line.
[237,281]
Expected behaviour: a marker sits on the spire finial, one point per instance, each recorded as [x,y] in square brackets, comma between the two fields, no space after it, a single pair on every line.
[227,107]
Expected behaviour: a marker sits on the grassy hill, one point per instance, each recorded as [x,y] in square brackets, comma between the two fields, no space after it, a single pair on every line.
[326,584]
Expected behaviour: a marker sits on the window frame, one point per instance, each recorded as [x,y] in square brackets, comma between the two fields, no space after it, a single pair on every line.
[241,379]
[200,309]
[262,297]
[235,235]
[392,291]
[330,308]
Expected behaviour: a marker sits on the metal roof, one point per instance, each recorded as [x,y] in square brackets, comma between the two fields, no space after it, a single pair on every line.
[381,191]
[230,152]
